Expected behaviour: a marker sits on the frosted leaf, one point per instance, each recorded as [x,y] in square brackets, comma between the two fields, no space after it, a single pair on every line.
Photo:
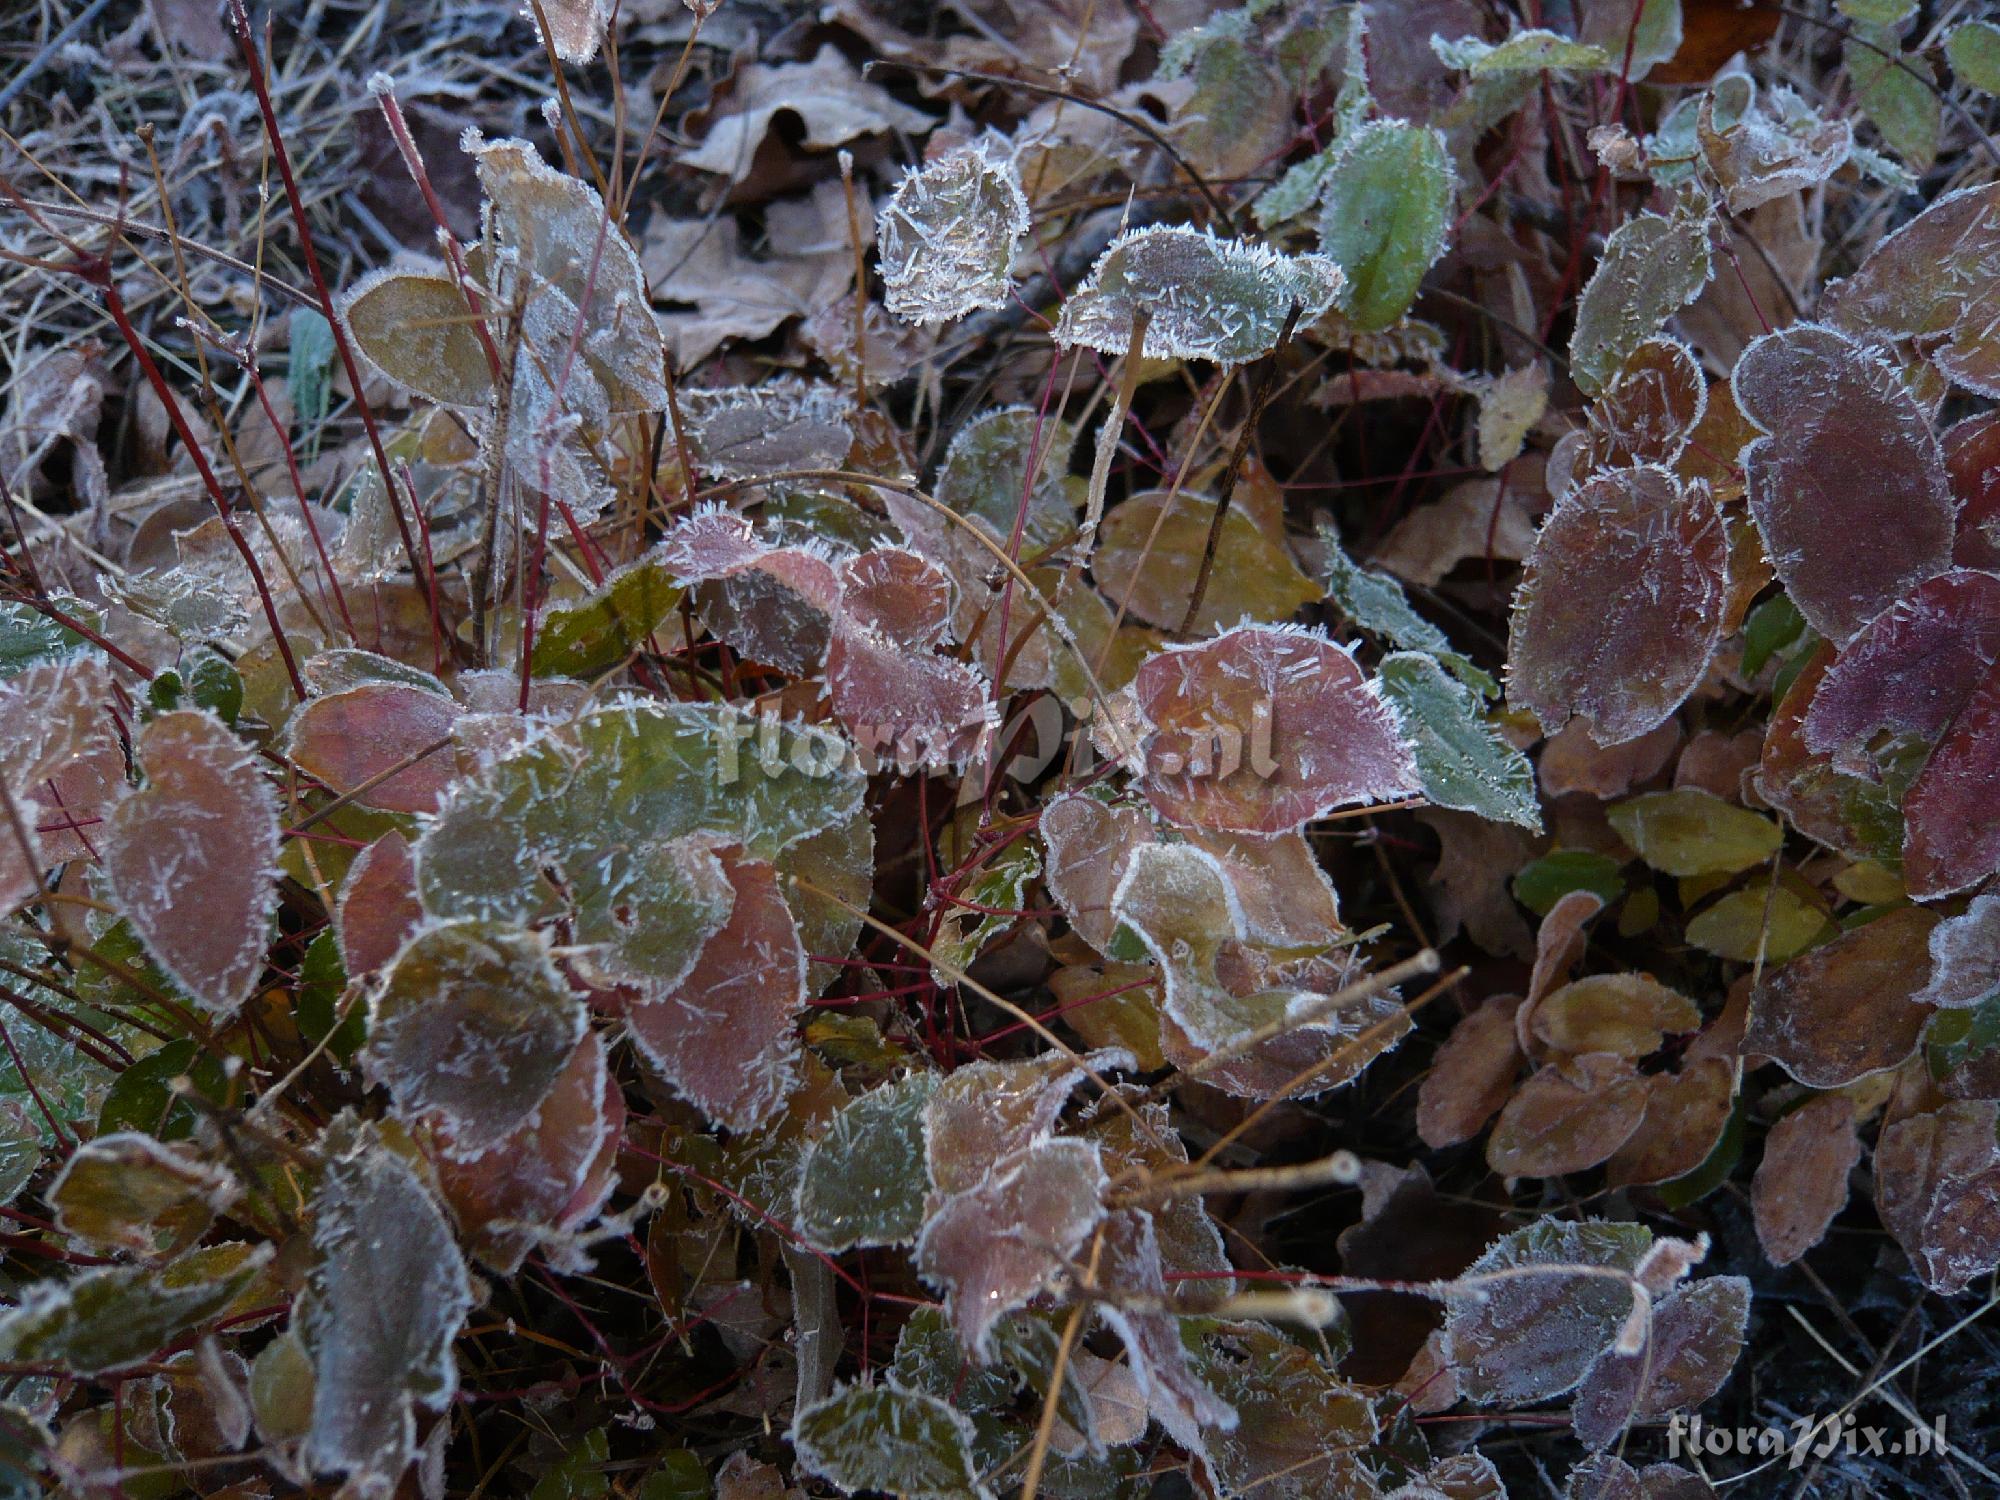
[384,1304]
[1462,761]
[1299,1428]
[985,1112]
[831,99]
[1849,488]
[53,724]
[1769,146]
[337,670]
[862,1183]
[1206,298]
[1801,1183]
[983,479]
[948,235]
[724,1035]
[1521,1326]
[896,593]
[1176,1397]
[840,861]
[1897,93]
[1695,1336]
[1972,461]
[1620,604]
[1639,35]
[199,839]
[1936,1177]
[1626,1014]
[1463,1476]
[602,630]
[1509,407]
[576,27]
[1952,837]
[1570,1119]
[1687,1114]
[351,737]
[472,1021]
[1649,410]
[1965,956]
[1843,811]
[419,330]
[992,1247]
[648,909]
[1847,1008]
[541,1177]
[1261,730]
[1189,1239]
[1472,1075]
[129,1192]
[925,709]
[1756,921]
[109,1319]
[1149,561]
[1384,215]
[1910,670]
[1653,266]
[591,293]
[884,1438]
[743,432]
[1376,602]
[1528,51]
[1282,894]
[1688,831]
[1089,840]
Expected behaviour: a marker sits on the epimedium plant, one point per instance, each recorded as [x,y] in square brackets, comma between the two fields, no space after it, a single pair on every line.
[592,850]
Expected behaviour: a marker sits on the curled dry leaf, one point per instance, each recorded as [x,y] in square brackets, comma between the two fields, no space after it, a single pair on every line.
[1471,1076]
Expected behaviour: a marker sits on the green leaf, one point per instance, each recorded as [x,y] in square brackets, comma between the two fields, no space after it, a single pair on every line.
[1462,759]
[108,1319]
[1974,50]
[1771,627]
[1960,1035]
[1524,51]
[1384,217]
[679,1476]
[1895,90]
[1877,12]
[579,1473]
[322,983]
[1545,881]
[27,636]
[1688,831]
[1376,602]
[599,632]
[881,1437]
[863,1182]
[1734,927]
[310,372]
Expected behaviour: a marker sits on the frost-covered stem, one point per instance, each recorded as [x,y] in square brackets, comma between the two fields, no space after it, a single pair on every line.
[241,22]
[115,305]
[860,281]
[299,491]
[1267,381]
[496,470]
[1107,449]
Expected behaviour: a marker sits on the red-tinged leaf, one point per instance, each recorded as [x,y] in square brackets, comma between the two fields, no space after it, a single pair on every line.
[191,857]
[1571,761]
[1472,1075]
[1284,896]
[1129,1260]
[1712,32]
[1909,671]
[1620,605]
[1261,730]
[379,907]
[1847,1008]
[1693,1342]
[1952,810]
[1843,811]
[472,1023]
[533,1178]
[1965,955]
[1802,1181]
[1848,487]
[724,1036]
[923,709]
[1649,410]
[896,594]
[1089,841]
[986,1111]
[1555,1124]
[1972,462]
[1686,1114]
[346,739]
[54,724]
[1933,283]
[1937,1187]
[995,1245]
